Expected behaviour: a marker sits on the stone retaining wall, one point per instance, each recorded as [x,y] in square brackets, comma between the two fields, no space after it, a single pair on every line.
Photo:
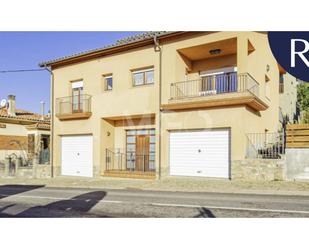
[254,170]
[36,171]
[247,169]
[259,169]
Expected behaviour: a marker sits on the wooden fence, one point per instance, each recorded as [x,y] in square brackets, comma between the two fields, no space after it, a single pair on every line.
[297,136]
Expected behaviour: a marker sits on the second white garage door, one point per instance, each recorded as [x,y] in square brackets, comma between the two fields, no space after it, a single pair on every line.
[76,156]
[200,153]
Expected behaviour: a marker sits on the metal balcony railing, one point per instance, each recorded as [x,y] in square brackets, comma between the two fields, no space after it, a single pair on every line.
[73,104]
[129,161]
[269,145]
[214,85]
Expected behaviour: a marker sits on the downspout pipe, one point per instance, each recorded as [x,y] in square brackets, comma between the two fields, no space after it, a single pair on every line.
[51,152]
[158,49]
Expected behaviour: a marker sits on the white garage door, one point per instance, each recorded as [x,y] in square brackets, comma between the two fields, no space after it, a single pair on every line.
[200,153]
[76,155]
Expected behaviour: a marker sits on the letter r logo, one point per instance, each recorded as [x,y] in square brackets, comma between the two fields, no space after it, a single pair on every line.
[299,53]
[291,50]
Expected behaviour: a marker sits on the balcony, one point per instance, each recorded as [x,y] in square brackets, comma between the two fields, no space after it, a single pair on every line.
[73,107]
[227,89]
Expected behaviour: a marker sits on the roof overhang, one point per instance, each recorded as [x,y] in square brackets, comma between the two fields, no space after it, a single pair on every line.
[208,50]
[13,120]
[131,120]
[281,69]
[39,127]
[129,117]
[108,50]
[125,46]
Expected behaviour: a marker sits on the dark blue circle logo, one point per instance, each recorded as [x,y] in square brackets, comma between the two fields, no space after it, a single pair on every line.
[291,50]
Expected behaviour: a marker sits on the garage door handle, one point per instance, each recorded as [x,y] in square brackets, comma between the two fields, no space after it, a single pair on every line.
[199,151]
[78,154]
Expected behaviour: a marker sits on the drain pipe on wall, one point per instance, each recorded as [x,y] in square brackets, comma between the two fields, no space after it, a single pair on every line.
[158,49]
[51,146]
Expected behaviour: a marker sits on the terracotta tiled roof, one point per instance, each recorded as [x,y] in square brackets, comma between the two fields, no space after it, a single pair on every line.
[21,111]
[140,37]
[39,126]
[121,42]
[24,115]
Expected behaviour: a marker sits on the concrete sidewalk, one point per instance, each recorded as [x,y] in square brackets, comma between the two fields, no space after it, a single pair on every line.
[183,184]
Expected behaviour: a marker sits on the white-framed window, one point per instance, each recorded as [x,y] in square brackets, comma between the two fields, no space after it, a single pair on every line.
[77,84]
[143,77]
[108,82]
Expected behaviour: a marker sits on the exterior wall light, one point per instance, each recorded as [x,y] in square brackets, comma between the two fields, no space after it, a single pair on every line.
[215,51]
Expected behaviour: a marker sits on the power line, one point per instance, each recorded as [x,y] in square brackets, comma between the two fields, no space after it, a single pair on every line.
[22,70]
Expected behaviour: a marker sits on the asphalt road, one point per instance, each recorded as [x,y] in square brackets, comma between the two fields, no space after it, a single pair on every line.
[39,201]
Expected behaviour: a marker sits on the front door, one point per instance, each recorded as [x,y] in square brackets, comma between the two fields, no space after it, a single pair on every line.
[142,153]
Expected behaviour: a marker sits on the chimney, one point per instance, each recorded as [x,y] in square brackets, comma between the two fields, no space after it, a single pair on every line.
[11,105]
[42,109]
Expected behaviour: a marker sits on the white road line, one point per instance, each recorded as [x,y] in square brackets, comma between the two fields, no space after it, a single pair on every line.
[107,201]
[36,197]
[169,204]
[56,198]
[232,208]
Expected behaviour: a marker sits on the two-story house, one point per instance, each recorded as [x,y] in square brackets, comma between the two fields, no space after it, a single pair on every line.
[163,104]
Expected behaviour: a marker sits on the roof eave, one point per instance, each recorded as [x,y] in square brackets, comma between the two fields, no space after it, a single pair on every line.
[16,120]
[106,51]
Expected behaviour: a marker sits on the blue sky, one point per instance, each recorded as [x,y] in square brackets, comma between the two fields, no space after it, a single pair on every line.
[24,50]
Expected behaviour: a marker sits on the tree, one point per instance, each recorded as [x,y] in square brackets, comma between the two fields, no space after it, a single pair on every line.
[303,96]
[303,101]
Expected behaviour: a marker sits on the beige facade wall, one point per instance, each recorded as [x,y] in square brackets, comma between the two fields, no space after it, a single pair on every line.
[123,100]
[126,100]
[13,130]
[240,120]
[261,63]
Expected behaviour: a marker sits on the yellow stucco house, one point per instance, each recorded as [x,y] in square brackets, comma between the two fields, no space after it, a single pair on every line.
[163,104]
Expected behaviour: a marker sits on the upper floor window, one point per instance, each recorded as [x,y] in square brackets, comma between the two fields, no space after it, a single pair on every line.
[108,82]
[77,85]
[281,83]
[281,79]
[143,77]
[77,95]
